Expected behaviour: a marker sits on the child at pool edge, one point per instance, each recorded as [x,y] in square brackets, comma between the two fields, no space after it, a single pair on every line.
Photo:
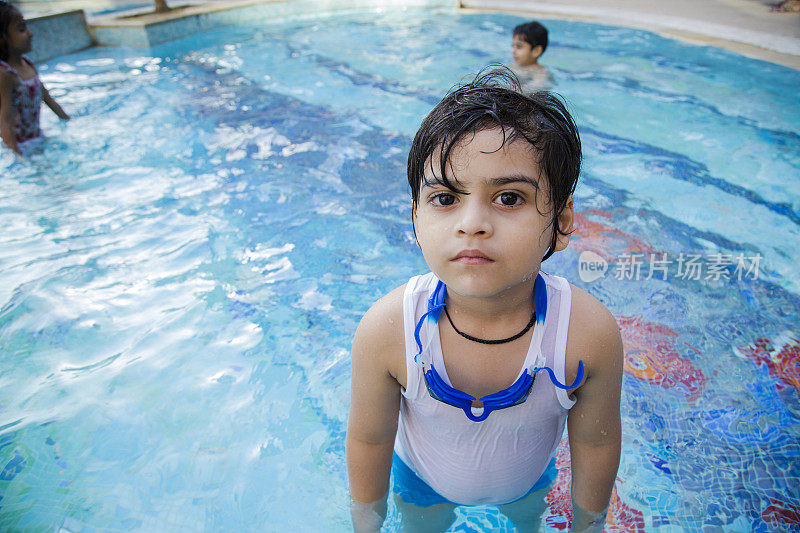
[492,172]
[21,91]
[528,43]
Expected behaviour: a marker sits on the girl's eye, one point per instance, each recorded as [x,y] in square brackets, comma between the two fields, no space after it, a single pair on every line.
[509,199]
[443,199]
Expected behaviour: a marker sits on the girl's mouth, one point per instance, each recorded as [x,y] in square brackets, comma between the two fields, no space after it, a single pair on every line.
[472,257]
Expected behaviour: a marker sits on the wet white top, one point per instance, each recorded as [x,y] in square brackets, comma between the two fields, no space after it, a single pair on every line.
[499,459]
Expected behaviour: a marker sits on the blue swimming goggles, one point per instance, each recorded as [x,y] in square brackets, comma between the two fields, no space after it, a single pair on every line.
[516,394]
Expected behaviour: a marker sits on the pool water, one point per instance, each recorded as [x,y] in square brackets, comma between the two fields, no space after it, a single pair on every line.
[184,264]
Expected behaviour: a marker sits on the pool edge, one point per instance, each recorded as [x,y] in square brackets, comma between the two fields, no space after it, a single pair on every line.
[697,32]
[143,29]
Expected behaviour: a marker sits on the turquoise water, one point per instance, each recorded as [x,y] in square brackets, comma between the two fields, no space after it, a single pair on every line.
[185,262]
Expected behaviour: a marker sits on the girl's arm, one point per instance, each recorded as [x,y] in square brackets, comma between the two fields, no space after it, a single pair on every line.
[8,115]
[374,407]
[52,104]
[595,429]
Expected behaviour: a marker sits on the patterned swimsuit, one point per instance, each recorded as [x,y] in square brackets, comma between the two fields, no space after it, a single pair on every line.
[26,99]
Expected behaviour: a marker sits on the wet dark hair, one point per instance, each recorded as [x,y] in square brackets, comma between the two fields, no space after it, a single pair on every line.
[8,14]
[494,100]
[533,33]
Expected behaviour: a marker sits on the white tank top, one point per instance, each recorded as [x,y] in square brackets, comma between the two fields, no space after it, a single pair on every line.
[497,460]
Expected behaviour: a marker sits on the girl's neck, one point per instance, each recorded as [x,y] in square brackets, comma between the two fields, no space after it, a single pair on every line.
[14,59]
[507,306]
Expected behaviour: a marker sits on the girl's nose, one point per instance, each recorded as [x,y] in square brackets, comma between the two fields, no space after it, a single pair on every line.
[474,220]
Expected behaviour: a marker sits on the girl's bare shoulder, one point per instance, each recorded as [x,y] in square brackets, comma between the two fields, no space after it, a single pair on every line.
[591,312]
[379,341]
[594,335]
[7,78]
[382,324]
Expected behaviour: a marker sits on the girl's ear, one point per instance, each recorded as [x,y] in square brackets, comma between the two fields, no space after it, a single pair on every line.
[566,222]
[537,51]
[414,222]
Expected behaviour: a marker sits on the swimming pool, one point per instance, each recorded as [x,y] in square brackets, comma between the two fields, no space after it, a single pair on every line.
[184,266]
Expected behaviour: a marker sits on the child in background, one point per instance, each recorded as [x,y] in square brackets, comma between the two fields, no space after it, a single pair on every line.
[528,43]
[21,91]
[492,172]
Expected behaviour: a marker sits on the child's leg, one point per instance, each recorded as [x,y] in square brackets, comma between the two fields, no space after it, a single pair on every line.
[526,514]
[417,519]
[421,508]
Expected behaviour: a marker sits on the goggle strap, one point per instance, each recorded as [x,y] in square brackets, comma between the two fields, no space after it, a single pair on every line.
[416,335]
[435,305]
[578,377]
[540,298]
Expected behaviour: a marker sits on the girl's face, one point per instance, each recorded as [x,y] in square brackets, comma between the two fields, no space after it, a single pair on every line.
[18,36]
[492,237]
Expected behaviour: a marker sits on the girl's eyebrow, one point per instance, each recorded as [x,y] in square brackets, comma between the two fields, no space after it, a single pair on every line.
[432,183]
[500,181]
[514,178]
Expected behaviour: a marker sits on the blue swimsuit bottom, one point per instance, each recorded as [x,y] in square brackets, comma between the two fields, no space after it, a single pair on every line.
[413,489]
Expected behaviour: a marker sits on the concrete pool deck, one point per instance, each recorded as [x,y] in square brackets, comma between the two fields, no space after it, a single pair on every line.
[747,27]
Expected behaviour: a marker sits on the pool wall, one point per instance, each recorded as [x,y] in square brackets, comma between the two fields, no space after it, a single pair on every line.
[154,29]
[59,34]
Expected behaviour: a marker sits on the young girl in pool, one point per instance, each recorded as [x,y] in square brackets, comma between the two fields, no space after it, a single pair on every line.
[464,378]
[21,91]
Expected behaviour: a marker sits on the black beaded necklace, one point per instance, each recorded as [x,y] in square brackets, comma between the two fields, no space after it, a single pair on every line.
[491,341]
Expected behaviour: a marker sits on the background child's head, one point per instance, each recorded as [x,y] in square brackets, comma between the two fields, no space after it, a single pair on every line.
[529,41]
[494,100]
[8,16]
